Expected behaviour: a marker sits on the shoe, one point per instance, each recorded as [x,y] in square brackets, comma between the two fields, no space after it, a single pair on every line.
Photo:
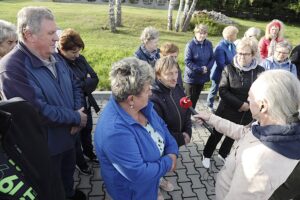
[206,162]
[221,158]
[160,195]
[93,158]
[166,185]
[79,195]
[84,170]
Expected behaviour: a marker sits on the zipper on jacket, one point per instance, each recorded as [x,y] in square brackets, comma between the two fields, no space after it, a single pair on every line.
[176,110]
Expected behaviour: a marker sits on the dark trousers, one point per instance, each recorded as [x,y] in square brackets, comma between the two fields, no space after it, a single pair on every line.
[83,143]
[193,92]
[64,165]
[212,143]
[289,189]
[86,137]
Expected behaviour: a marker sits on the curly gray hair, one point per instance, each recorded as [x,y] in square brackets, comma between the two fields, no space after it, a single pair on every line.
[128,77]
[149,33]
[7,30]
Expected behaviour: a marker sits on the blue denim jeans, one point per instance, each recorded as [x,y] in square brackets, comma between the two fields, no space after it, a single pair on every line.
[212,93]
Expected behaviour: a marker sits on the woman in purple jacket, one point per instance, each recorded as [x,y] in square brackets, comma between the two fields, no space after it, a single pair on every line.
[198,61]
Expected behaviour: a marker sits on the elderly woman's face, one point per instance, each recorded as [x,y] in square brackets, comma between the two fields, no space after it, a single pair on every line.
[253,105]
[274,31]
[7,45]
[232,37]
[201,36]
[152,45]
[244,56]
[281,54]
[141,100]
[169,77]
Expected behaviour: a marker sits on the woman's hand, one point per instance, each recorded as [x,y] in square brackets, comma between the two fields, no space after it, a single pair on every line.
[244,107]
[187,138]
[202,116]
[174,158]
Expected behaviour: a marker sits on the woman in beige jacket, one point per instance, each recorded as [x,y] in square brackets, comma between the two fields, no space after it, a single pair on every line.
[267,151]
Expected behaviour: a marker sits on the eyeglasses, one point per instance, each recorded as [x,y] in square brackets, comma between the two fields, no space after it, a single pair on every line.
[243,54]
[281,52]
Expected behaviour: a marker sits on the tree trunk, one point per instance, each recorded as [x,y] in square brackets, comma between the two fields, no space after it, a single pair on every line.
[170,15]
[189,16]
[112,16]
[180,8]
[119,13]
[185,12]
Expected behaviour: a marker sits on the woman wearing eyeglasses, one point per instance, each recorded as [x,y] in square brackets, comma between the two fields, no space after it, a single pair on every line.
[235,83]
[280,59]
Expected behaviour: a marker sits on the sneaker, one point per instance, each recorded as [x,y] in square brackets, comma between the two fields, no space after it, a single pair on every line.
[160,195]
[79,195]
[221,158]
[206,162]
[166,185]
[84,170]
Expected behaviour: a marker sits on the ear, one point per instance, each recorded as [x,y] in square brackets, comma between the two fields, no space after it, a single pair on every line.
[28,35]
[130,98]
[264,106]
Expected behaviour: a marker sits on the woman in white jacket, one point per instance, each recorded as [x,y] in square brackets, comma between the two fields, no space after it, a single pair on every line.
[267,151]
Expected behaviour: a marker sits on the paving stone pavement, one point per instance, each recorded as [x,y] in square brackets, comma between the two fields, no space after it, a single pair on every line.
[191,180]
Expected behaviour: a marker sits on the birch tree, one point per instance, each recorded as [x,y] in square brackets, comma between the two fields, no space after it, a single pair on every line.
[170,15]
[177,23]
[119,13]
[111,14]
[189,16]
[185,12]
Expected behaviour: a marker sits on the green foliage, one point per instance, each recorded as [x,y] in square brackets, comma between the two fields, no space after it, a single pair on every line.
[104,48]
[214,28]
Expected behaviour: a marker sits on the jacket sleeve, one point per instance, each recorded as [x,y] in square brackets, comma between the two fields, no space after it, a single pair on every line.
[77,92]
[188,59]
[228,128]
[123,151]
[250,180]
[220,58]
[91,82]
[52,115]
[263,48]
[211,58]
[226,94]
[188,124]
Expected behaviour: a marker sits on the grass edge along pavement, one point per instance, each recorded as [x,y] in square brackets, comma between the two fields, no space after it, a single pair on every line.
[104,48]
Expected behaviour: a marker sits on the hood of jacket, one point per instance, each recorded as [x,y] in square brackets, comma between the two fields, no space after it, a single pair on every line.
[283,139]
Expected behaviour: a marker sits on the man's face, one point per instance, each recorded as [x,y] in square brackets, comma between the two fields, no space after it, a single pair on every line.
[44,41]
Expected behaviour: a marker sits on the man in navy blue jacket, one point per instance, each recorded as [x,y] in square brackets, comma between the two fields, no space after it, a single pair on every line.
[36,73]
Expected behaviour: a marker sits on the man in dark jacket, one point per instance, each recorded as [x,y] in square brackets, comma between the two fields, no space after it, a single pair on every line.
[24,156]
[36,73]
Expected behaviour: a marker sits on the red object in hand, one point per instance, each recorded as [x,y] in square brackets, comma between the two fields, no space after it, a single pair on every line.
[185,103]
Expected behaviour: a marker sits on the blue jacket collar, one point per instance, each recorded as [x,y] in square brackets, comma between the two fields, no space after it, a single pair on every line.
[126,117]
[197,42]
[285,140]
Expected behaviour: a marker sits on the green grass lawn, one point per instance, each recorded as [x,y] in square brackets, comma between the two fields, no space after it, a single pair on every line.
[103,47]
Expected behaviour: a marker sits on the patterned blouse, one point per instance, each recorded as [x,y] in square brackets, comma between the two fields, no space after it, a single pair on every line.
[156,138]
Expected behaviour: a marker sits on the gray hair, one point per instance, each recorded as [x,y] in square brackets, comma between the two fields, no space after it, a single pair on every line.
[248,42]
[280,89]
[30,18]
[7,30]
[284,44]
[228,31]
[149,33]
[128,77]
[253,31]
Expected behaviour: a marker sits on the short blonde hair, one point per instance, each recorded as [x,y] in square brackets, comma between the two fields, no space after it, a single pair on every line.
[168,48]
[200,28]
[253,31]
[164,64]
[228,31]
[149,33]
[248,42]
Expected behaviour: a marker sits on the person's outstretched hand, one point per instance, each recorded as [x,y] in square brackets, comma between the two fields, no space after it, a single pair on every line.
[202,116]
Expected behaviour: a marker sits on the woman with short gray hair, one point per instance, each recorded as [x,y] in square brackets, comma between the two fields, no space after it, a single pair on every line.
[8,37]
[133,143]
[149,51]
[267,151]
[280,59]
